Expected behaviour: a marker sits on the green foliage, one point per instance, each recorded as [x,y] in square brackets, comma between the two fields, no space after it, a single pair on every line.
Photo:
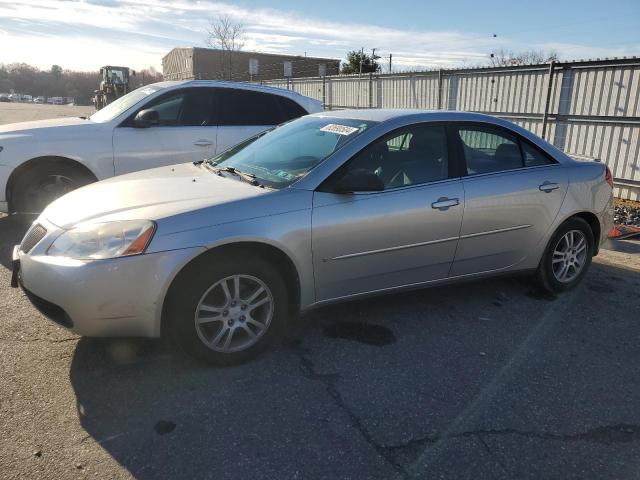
[355,58]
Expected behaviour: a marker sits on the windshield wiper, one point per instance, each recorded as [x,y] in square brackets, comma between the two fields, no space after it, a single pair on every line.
[247,177]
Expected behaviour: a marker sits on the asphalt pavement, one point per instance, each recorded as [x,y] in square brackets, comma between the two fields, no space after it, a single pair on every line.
[483,380]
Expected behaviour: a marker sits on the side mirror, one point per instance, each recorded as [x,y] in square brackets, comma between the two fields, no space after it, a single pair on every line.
[146,118]
[359,180]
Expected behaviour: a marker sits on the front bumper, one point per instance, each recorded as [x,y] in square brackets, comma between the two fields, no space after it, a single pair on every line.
[116,297]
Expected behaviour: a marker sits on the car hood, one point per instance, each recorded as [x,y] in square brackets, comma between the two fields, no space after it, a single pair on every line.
[149,194]
[24,127]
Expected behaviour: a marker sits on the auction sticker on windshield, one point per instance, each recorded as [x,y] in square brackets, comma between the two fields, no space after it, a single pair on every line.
[338,129]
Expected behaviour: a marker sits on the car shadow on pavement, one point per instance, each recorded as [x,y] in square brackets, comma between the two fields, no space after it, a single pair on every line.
[361,393]
[161,414]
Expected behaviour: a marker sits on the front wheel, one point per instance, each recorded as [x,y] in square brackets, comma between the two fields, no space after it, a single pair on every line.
[567,257]
[40,185]
[226,311]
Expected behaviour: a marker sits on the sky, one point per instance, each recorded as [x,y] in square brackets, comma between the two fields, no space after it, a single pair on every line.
[84,35]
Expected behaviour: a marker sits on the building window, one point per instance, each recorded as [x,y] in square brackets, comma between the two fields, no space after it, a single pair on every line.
[288,69]
[253,66]
[322,70]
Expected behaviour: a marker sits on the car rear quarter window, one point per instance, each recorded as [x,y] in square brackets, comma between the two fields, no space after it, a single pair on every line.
[534,157]
[247,107]
[489,150]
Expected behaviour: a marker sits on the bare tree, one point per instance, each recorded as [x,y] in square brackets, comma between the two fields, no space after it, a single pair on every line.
[504,58]
[228,35]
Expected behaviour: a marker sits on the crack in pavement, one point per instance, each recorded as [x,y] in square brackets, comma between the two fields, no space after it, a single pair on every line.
[403,456]
[492,454]
[308,371]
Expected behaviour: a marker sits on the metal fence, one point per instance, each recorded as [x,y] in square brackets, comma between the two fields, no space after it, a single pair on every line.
[589,109]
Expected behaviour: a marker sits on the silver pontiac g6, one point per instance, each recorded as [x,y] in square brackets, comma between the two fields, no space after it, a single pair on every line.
[220,254]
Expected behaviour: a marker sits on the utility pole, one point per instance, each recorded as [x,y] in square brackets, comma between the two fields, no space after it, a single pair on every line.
[361,58]
[373,56]
[390,57]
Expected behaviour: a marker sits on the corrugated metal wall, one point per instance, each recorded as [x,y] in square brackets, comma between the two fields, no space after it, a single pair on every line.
[593,106]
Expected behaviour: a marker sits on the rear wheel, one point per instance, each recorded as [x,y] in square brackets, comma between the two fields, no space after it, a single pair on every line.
[226,311]
[568,256]
[42,183]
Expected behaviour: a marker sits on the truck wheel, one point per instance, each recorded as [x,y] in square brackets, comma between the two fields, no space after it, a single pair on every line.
[41,184]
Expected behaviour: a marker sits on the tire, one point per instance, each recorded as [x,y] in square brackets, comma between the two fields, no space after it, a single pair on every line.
[43,182]
[200,292]
[559,255]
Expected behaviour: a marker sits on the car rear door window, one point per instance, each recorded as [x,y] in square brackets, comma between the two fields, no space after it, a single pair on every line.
[409,156]
[248,107]
[489,150]
[287,109]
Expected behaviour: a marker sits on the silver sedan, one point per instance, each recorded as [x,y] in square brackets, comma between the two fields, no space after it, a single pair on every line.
[221,254]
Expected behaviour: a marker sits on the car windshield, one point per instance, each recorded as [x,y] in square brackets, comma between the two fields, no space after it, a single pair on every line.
[281,156]
[123,104]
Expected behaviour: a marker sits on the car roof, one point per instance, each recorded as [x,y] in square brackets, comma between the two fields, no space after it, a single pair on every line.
[386,114]
[228,84]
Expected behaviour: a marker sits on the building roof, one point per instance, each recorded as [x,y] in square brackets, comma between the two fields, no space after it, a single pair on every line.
[247,52]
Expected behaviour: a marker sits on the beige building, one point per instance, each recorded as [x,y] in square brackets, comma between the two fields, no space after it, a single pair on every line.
[211,64]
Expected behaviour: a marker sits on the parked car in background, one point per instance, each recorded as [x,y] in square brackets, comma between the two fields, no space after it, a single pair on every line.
[27,98]
[38,100]
[331,206]
[4,97]
[159,124]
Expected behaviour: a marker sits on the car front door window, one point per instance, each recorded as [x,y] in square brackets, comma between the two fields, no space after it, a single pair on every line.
[368,241]
[410,156]
[170,109]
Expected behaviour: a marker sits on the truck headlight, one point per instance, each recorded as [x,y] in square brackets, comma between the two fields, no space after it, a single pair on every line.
[95,241]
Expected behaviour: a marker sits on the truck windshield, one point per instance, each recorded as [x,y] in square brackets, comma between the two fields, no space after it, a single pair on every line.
[123,104]
[283,155]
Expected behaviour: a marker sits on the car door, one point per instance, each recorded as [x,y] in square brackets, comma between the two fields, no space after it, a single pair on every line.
[405,234]
[513,192]
[243,113]
[186,132]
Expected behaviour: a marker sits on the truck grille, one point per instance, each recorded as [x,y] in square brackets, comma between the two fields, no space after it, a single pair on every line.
[33,236]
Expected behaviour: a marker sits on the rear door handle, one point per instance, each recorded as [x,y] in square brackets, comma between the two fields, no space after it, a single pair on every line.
[203,143]
[548,187]
[444,203]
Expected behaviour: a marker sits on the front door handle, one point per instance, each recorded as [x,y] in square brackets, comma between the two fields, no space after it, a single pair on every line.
[444,203]
[203,143]
[548,187]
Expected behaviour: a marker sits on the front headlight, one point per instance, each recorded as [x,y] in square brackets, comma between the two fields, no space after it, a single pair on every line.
[94,241]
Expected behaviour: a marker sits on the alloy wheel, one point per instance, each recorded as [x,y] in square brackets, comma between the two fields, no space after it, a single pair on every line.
[234,313]
[569,256]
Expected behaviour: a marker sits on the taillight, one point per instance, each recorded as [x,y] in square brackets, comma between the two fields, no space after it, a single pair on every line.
[608,177]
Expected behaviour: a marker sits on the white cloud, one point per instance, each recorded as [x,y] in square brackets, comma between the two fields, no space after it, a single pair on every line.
[86,35]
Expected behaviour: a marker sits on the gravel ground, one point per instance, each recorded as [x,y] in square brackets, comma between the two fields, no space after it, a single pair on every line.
[25,112]
[487,380]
